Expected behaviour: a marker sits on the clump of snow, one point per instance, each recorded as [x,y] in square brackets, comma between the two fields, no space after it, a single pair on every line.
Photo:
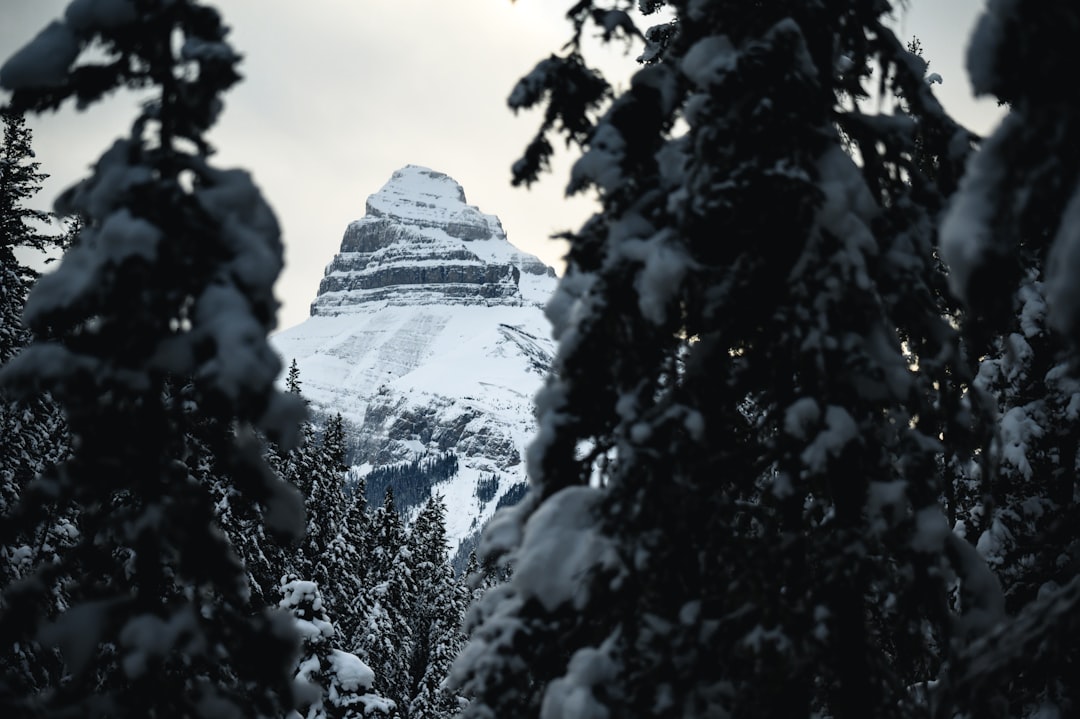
[967,229]
[77,632]
[243,362]
[931,529]
[981,598]
[984,45]
[123,236]
[198,49]
[758,637]
[662,79]
[840,428]
[800,416]
[601,165]
[350,673]
[993,539]
[295,592]
[1033,308]
[571,696]
[249,229]
[1017,430]
[87,16]
[709,60]
[660,279]
[115,174]
[1063,269]
[120,238]
[44,61]
[846,212]
[886,495]
[146,637]
[562,546]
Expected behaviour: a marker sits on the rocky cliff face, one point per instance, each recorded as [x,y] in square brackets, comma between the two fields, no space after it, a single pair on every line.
[420,243]
[428,336]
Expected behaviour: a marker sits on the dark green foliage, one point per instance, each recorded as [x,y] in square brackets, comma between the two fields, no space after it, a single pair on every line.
[385,636]
[438,604]
[412,481]
[515,494]
[486,487]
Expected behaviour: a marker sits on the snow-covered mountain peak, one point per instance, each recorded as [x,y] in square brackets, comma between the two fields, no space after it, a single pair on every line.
[419,243]
[418,194]
[429,337]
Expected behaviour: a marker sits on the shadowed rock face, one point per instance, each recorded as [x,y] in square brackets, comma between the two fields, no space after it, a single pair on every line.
[419,243]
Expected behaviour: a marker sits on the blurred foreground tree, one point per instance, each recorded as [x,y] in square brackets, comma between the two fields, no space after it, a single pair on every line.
[744,474]
[151,334]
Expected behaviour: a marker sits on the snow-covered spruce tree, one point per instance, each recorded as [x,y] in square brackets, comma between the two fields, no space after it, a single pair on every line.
[325,504]
[734,507]
[330,683]
[20,228]
[1012,242]
[32,429]
[154,322]
[438,604]
[384,637]
[350,559]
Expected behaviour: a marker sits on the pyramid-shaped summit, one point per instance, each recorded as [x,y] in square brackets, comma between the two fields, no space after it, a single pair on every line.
[421,243]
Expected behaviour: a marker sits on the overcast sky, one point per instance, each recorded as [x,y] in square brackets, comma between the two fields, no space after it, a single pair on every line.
[340,93]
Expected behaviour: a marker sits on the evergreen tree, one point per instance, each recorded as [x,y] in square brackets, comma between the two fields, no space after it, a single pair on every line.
[384,637]
[438,604]
[152,330]
[332,684]
[326,558]
[351,550]
[734,506]
[33,431]
[20,229]
[1011,241]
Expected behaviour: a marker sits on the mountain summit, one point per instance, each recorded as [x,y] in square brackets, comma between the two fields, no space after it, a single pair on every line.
[421,243]
[428,336]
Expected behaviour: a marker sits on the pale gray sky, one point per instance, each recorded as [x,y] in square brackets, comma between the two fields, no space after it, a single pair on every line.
[340,93]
